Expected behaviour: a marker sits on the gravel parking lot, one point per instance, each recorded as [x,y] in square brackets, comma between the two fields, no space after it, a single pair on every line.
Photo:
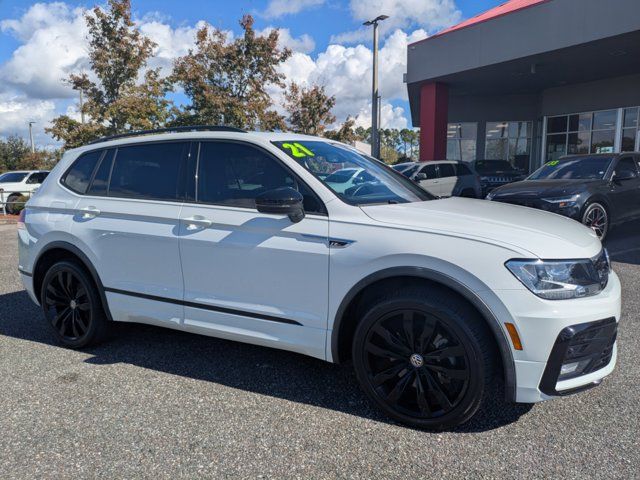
[158,403]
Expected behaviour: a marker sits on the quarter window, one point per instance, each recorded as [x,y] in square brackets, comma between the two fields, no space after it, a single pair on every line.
[78,176]
[235,174]
[149,171]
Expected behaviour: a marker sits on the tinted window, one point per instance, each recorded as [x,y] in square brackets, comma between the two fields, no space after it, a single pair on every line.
[430,171]
[581,168]
[12,177]
[235,174]
[462,169]
[37,178]
[149,171]
[626,168]
[341,176]
[446,170]
[100,183]
[78,176]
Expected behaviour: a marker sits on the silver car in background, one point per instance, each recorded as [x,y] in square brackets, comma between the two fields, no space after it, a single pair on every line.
[443,178]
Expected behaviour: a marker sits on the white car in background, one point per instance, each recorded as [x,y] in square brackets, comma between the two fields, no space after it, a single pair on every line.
[443,178]
[19,183]
[441,304]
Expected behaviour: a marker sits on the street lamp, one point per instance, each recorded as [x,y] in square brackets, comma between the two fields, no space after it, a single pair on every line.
[375,139]
[33,149]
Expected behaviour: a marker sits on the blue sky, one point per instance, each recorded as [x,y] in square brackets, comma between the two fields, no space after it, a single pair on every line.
[41,43]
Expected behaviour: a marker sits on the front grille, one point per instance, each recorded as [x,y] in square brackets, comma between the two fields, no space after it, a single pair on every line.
[588,347]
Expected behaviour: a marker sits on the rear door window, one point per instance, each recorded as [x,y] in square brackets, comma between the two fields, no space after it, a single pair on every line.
[446,170]
[149,171]
[79,175]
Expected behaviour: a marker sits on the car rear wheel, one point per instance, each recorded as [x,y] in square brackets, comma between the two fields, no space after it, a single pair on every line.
[596,217]
[12,206]
[72,305]
[423,357]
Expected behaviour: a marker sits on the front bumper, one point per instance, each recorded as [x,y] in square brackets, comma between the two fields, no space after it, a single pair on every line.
[540,323]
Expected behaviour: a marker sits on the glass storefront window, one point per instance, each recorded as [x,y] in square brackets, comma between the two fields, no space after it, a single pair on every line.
[509,141]
[630,130]
[461,141]
[589,132]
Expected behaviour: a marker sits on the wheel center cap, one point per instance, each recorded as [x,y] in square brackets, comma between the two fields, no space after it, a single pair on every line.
[416,360]
[73,304]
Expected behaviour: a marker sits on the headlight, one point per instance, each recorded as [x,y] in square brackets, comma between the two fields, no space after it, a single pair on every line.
[563,201]
[560,280]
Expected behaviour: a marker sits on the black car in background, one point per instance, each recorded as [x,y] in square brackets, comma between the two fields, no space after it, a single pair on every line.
[495,173]
[600,190]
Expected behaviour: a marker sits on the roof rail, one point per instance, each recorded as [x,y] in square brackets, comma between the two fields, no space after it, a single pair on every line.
[193,128]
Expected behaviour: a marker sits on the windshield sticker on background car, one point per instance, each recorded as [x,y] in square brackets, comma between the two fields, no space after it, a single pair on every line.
[298,150]
[553,163]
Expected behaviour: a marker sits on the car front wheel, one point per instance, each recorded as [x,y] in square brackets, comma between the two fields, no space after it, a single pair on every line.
[596,217]
[424,357]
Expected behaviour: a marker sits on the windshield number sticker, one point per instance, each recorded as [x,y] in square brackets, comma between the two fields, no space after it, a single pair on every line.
[553,163]
[298,150]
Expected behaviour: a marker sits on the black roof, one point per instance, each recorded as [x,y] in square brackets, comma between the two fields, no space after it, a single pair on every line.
[193,128]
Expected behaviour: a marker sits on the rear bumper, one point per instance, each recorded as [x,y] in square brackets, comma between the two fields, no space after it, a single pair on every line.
[27,282]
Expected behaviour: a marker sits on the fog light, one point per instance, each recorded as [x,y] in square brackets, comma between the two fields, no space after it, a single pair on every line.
[573,369]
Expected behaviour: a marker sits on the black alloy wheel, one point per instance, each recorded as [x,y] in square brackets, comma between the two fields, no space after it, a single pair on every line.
[72,306]
[417,359]
[597,219]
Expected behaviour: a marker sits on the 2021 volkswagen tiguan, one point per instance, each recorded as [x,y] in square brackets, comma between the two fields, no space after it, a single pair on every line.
[238,235]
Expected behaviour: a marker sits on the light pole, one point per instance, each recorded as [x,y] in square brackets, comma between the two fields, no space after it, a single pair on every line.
[33,149]
[375,140]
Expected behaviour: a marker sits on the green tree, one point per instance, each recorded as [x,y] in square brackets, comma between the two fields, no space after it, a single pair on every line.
[345,134]
[226,81]
[309,109]
[12,151]
[118,53]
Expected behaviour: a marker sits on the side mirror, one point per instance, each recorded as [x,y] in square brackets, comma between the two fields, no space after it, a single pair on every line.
[282,201]
[420,176]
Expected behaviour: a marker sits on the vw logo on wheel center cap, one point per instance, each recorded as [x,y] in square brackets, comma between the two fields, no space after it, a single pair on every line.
[416,360]
[73,304]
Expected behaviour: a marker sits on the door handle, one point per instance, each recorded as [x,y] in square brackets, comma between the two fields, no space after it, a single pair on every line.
[89,212]
[196,222]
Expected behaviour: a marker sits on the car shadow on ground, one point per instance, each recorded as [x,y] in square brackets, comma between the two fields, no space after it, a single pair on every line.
[623,243]
[246,367]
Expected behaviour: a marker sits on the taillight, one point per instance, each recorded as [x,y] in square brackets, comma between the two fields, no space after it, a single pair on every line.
[21,219]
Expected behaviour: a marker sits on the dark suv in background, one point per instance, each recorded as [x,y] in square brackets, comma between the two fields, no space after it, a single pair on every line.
[600,191]
[495,173]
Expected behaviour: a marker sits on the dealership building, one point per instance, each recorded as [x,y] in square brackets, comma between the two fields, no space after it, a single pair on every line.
[529,81]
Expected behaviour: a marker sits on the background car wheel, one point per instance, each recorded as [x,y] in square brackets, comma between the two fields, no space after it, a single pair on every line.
[72,305]
[424,357]
[12,207]
[596,217]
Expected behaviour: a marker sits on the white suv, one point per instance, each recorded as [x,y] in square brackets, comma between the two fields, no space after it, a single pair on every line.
[13,185]
[235,235]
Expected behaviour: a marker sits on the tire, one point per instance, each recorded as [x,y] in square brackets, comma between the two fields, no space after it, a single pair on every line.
[415,385]
[72,306]
[593,211]
[11,207]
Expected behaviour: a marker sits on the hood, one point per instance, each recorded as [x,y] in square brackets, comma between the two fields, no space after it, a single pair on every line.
[541,188]
[527,231]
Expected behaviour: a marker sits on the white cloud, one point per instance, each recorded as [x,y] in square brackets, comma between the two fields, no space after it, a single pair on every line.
[17,111]
[430,15]
[304,43]
[279,8]
[346,73]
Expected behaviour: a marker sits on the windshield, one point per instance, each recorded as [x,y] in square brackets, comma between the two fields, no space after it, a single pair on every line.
[575,168]
[354,177]
[492,166]
[12,177]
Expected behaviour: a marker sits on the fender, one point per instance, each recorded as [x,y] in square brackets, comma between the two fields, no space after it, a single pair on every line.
[470,295]
[85,261]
